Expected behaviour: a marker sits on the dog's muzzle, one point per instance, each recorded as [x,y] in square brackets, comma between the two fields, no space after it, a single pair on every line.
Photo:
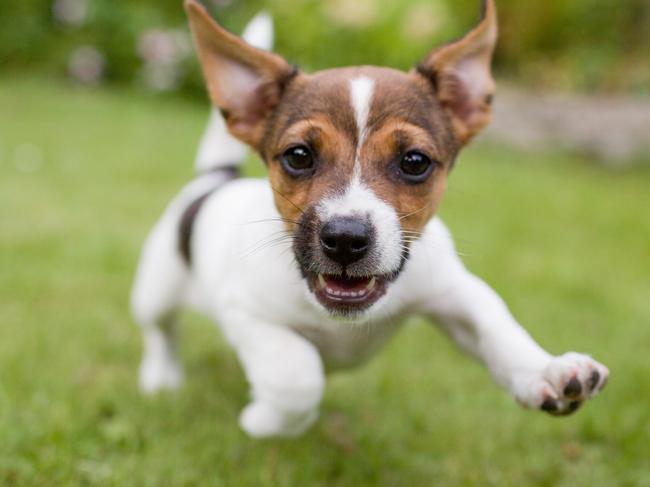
[342,262]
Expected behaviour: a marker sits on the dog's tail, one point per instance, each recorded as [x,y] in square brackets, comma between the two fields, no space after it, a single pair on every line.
[219,149]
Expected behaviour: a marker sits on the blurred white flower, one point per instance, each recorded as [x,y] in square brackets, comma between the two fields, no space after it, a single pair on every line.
[71,12]
[357,13]
[86,65]
[157,46]
[160,77]
[422,21]
[163,53]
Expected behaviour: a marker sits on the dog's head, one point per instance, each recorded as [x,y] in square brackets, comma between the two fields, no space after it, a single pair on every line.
[358,157]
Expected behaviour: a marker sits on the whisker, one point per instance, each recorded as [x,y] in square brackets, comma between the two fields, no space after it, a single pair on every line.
[273,220]
[268,240]
[288,200]
[414,212]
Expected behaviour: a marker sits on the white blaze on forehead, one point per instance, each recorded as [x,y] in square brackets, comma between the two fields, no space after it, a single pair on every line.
[359,200]
[361,91]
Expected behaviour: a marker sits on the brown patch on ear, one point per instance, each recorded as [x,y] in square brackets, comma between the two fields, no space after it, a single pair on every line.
[462,77]
[244,82]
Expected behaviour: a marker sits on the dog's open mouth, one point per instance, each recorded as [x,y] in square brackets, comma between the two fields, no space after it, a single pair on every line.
[345,293]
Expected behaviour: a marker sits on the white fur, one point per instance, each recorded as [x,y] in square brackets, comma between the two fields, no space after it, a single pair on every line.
[361,91]
[259,31]
[217,147]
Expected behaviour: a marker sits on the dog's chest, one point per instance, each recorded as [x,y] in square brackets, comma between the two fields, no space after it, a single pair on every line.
[243,262]
[343,345]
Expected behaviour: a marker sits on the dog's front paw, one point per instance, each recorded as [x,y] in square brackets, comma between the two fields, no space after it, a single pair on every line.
[262,420]
[159,373]
[563,385]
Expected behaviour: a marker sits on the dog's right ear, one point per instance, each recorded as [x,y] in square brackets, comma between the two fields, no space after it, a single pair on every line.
[462,75]
[244,82]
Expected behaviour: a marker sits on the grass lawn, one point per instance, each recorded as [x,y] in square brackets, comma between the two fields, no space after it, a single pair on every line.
[83,175]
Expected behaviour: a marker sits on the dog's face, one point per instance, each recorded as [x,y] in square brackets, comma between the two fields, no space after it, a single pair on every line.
[358,158]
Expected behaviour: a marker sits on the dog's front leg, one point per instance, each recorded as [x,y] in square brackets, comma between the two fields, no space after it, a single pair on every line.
[478,319]
[285,372]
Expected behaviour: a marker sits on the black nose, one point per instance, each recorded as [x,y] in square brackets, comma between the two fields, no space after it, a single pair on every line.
[345,240]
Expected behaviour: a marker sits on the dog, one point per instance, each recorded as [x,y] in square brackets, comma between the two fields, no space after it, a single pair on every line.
[343,234]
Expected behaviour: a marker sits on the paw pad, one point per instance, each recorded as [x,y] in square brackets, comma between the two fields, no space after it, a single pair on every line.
[572,378]
[573,388]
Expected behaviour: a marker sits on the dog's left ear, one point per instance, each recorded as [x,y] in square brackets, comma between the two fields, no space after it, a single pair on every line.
[244,82]
[462,76]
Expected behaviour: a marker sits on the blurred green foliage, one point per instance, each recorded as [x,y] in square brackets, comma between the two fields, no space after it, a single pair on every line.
[578,44]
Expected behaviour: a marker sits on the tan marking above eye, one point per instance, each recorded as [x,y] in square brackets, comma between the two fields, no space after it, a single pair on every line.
[395,133]
[317,132]
[297,134]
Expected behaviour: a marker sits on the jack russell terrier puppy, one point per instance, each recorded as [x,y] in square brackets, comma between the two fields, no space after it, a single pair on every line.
[342,234]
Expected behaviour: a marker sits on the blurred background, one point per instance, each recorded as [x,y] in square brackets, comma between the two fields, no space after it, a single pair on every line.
[589,45]
[595,47]
[101,110]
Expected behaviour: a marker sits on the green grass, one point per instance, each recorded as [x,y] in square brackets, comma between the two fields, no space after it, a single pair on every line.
[567,244]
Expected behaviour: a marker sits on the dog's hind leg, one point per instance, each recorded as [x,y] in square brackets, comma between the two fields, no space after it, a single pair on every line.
[163,279]
[157,292]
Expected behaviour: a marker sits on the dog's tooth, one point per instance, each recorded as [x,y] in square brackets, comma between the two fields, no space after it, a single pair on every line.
[321,281]
[371,285]
[333,291]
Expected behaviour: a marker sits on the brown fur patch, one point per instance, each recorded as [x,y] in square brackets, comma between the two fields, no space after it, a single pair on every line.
[404,115]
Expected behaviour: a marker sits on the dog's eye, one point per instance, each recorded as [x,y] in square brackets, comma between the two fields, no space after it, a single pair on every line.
[415,167]
[298,161]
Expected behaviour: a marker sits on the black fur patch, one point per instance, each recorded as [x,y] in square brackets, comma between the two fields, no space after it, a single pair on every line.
[186,223]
